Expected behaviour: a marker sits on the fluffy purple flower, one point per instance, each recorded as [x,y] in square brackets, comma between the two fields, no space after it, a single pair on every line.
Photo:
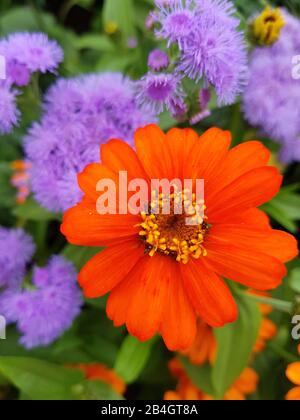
[177,19]
[18,73]
[158,60]
[16,250]
[271,98]
[211,47]
[24,53]
[44,314]
[9,113]
[79,115]
[157,91]
[33,50]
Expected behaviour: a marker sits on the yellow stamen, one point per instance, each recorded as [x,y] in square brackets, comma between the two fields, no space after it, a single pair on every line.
[170,234]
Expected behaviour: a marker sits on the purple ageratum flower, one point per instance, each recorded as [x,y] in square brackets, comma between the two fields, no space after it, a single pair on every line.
[44,314]
[219,10]
[9,113]
[211,48]
[158,60]
[18,73]
[271,98]
[33,50]
[157,91]
[216,53]
[79,115]
[16,250]
[177,19]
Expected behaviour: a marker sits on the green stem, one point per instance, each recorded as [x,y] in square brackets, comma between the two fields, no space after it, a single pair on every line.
[65,9]
[37,15]
[283,353]
[280,305]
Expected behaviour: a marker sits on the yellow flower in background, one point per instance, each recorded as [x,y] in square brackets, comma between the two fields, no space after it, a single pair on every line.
[267,27]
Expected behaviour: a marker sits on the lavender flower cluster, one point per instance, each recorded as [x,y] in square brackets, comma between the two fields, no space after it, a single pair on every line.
[24,54]
[211,50]
[46,310]
[79,115]
[271,98]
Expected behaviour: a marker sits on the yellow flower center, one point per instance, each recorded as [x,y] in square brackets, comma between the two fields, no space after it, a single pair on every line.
[266,28]
[178,234]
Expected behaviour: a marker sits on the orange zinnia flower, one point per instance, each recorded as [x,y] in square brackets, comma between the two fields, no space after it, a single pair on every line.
[161,274]
[245,385]
[293,374]
[99,372]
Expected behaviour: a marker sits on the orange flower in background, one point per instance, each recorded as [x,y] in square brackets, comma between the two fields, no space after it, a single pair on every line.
[161,274]
[244,386]
[99,372]
[293,374]
[21,179]
[204,348]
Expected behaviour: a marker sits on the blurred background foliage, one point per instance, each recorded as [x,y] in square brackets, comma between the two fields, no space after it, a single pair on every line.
[98,36]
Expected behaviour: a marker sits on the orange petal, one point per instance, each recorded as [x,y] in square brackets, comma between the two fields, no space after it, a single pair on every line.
[153,152]
[209,294]
[240,160]
[82,225]
[248,381]
[250,190]
[254,217]
[234,395]
[275,243]
[179,325]
[293,394]
[91,175]
[293,373]
[207,155]
[180,142]
[250,268]
[139,301]
[108,268]
[119,156]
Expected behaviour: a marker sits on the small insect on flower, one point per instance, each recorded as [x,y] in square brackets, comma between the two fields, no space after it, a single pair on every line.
[174,266]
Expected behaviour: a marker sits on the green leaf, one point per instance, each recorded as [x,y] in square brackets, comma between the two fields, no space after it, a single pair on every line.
[40,380]
[294,279]
[95,391]
[31,210]
[19,19]
[284,208]
[95,42]
[122,13]
[235,344]
[80,255]
[200,376]
[132,358]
